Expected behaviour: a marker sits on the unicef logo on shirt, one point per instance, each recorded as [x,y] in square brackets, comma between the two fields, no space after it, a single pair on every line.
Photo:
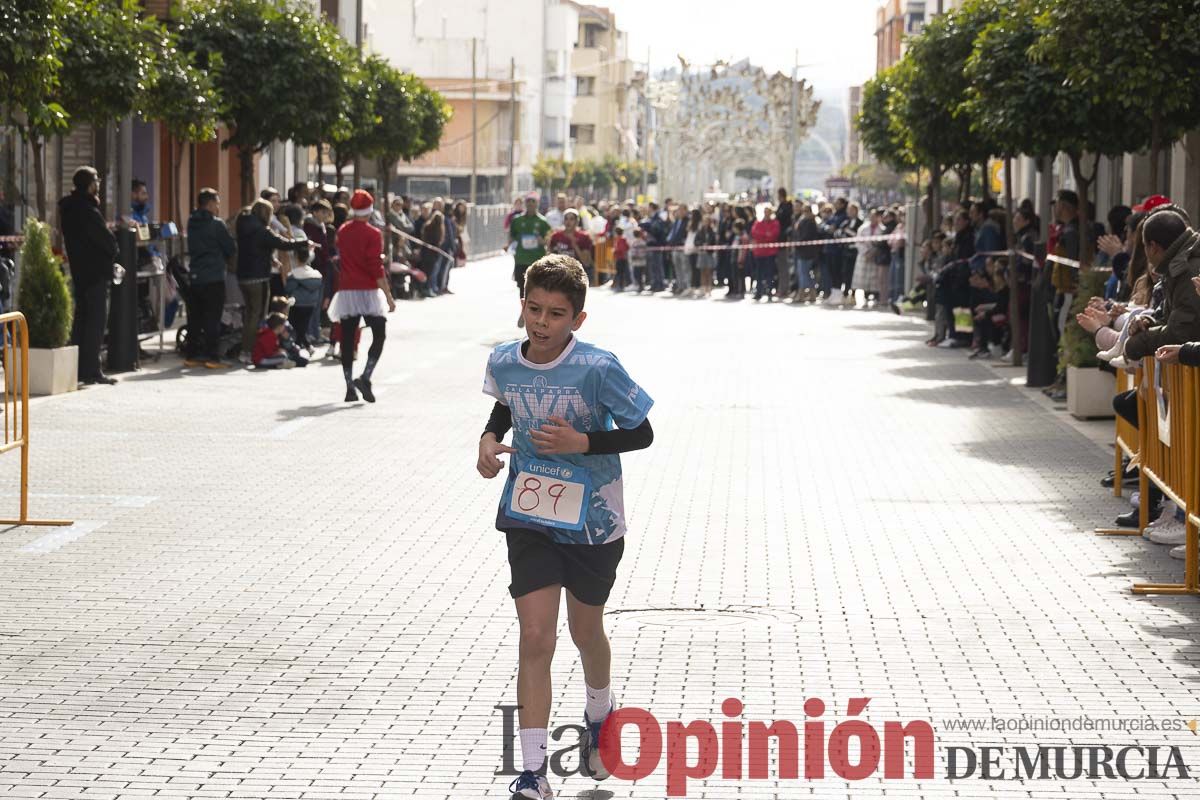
[566,474]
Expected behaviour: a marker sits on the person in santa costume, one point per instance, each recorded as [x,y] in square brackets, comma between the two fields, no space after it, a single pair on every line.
[364,292]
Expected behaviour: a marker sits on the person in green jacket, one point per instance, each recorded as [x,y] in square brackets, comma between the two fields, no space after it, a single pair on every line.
[210,246]
[528,233]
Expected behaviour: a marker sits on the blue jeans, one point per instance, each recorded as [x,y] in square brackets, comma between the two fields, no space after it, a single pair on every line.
[828,276]
[804,272]
[654,265]
[764,275]
[896,290]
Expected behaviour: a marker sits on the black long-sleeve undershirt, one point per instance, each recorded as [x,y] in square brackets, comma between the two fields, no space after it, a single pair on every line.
[611,442]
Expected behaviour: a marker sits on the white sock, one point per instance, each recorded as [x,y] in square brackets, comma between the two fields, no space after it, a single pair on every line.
[533,749]
[599,703]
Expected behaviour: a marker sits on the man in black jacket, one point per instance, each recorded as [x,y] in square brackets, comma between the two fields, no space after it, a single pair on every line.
[210,246]
[91,252]
[1187,354]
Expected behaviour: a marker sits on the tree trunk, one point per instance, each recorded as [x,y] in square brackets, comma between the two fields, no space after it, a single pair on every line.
[339,168]
[39,174]
[176,164]
[320,168]
[964,182]
[246,160]
[985,181]
[1045,167]
[1156,145]
[935,192]
[1086,245]
[1014,301]
[382,200]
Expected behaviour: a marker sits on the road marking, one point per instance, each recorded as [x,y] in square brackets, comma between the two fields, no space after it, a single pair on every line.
[119,500]
[52,541]
[286,429]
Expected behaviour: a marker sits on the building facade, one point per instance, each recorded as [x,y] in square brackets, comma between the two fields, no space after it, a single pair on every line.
[604,120]
[894,20]
[515,54]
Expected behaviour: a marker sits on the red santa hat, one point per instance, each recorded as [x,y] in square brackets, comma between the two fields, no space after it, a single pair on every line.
[362,203]
[1152,202]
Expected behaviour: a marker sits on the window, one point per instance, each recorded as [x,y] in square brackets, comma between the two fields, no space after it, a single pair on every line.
[585,86]
[553,65]
[583,134]
[591,36]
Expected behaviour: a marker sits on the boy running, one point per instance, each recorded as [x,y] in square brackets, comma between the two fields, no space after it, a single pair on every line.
[561,509]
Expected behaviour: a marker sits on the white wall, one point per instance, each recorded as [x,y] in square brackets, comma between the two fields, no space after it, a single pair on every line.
[432,39]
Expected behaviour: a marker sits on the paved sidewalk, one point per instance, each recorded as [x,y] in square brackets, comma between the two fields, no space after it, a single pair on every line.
[273,594]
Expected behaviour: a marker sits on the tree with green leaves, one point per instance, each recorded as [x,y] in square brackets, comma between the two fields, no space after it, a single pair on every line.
[877,127]
[1083,128]
[109,63]
[932,89]
[278,70]
[1136,61]
[432,113]
[352,140]
[31,48]
[184,100]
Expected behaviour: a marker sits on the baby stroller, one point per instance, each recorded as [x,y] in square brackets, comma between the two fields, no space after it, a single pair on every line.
[231,334]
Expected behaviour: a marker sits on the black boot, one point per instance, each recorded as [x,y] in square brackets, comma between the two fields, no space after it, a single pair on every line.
[1131,518]
[364,386]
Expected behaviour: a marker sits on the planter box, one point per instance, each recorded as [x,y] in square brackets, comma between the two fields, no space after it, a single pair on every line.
[53,371]
[1090,393]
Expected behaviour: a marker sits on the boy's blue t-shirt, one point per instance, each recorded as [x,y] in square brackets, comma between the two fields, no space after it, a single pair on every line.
[590,389]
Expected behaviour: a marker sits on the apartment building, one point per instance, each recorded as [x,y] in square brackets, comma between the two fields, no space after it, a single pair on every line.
[604,121]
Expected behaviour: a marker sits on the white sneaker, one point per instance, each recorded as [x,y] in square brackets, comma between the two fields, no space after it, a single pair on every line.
[835,297]
[997,350]
[1179,552]
[531,786]
[1135,499]
[243,358]
[1119,363]
[1165,520]
[1173,533]
[946,343]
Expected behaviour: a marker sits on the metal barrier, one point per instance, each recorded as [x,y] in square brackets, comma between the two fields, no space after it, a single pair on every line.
[603,262]
[1126,434]
[485,227]
[1167,442]
[14,336]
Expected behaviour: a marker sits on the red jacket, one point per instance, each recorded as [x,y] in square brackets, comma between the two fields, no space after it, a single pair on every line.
[621,247]
[360,246]
[762,232]
[265,346]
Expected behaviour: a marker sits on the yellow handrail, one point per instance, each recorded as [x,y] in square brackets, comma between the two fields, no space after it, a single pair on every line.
[14,333]
[1168,431]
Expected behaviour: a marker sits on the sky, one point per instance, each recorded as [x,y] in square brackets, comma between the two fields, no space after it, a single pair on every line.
[835,38]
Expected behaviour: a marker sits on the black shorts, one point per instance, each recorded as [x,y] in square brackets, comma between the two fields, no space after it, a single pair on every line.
[519,276]
[588,571]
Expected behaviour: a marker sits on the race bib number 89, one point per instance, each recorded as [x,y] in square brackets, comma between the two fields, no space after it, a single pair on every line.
[551,494]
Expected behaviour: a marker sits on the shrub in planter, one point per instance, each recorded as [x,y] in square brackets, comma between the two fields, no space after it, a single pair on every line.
[43,295]
[1077,347]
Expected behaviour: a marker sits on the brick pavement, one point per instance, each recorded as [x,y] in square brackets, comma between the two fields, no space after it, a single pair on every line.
[274,595]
